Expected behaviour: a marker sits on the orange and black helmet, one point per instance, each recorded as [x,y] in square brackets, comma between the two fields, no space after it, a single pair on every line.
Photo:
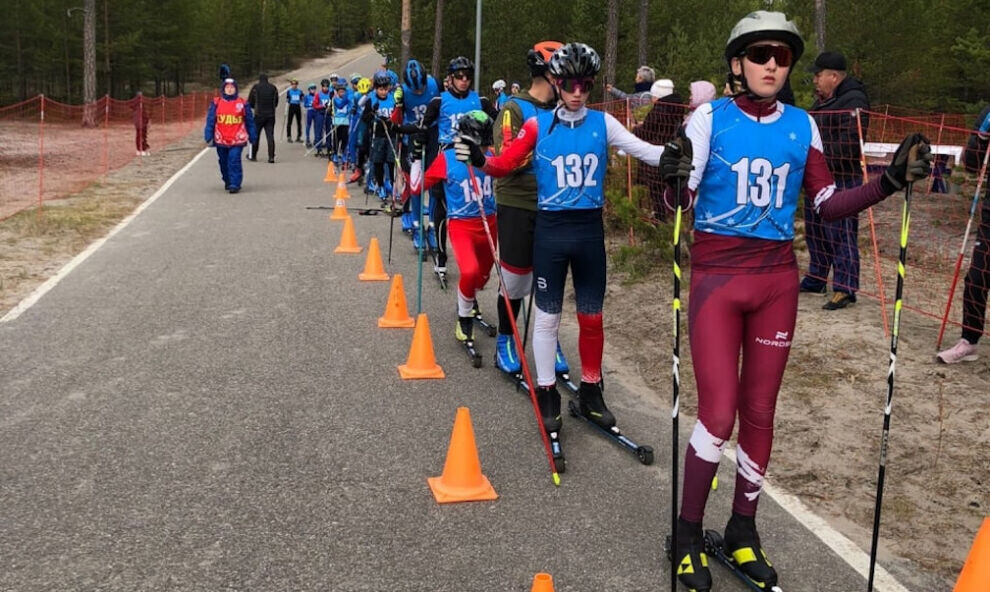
[538,57]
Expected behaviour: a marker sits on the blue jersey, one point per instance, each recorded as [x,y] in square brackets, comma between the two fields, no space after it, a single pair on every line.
[528,110]
[462,199]
[754,173]
[308,100]
[341,110]
[414,105]
[383,107]
[570,162]
[322,99]
[294,96]
[451,109]
[501,99]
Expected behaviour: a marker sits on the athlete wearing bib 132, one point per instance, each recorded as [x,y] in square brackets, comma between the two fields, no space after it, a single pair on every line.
[569,148]
[745,158]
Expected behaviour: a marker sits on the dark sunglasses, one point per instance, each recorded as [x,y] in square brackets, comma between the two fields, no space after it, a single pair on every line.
[461,76]
[573,85]
[761,54]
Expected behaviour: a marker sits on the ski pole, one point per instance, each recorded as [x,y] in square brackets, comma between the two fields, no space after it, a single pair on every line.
[962,251]
[891,368]
[529,313]
[675,380]
[515,329]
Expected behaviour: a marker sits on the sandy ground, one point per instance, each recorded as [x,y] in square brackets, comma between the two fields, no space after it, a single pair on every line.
[830,411]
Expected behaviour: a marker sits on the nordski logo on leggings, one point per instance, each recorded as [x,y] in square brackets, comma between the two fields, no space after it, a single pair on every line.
[781,339]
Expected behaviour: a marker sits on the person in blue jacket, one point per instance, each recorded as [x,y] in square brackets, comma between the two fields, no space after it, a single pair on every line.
[230,126]
[294,100]
[418,89]
[308,103]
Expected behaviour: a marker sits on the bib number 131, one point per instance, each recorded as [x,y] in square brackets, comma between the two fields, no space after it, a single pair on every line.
[761,191]
[573,171]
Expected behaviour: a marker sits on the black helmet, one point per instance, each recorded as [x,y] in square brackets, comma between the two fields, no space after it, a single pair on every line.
[539,55]
[478,127]
[414,76]
[574,60]
[325,82]
[381,79]
[460,63]
[763,25]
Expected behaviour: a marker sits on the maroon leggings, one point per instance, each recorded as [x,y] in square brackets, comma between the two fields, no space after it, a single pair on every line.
[750,313]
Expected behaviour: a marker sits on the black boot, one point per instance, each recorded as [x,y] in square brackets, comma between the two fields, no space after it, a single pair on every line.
[465,329]
[548,398]
[742,543]
[592,405]
[690,557]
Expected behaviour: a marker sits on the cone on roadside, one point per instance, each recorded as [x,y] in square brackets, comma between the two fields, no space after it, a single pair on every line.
[975,574]
[542,582]
[462,480]
[348,241]
[421,362]
[374,271]
[341,192]
[331,174]
[339,211]
[396,312]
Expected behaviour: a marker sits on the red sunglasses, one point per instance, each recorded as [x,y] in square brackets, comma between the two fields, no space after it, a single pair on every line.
[761,54]
[574,85]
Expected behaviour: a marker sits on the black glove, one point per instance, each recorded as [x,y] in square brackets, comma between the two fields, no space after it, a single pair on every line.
[912,161]
[417,146]
[468,151]
[675,162]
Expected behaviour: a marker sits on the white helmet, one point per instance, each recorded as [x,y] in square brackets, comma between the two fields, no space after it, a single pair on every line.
[763,25]
[498,84]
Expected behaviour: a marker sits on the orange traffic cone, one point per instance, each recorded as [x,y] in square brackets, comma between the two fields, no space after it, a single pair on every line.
[341,192]
[975,574]
[542,582]
[396,313]
[421,362]
[462,480]
[339,211]
[374,271]
[348,242]
[331,175]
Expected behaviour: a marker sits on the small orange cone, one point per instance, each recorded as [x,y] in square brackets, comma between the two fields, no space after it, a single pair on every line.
[462,480]
[339,211]
[374,271]
[421,362]
[975,574]
[396,313]
[341,192]
[348,242]
[542,582]
[331,175]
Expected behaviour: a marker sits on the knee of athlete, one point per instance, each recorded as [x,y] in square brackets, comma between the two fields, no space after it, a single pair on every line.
[545,322]
[756,417]
[706,445]
[516,284]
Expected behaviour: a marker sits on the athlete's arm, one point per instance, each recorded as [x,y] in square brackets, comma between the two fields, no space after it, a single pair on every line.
[435,174]
[699,131]
[820,187]
[513,156]
[488,107]
[621,138]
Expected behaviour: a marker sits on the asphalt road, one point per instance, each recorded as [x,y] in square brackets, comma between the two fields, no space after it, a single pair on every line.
[206,403]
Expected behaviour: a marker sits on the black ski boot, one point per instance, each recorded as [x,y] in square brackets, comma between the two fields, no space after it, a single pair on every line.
[592,405]
[465,329]
[548,398]
[689,554]
[742,544]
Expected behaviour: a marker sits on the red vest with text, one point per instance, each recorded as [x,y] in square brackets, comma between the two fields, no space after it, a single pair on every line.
[230,129]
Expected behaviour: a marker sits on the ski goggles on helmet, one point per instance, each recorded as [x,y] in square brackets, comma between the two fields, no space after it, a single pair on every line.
[462,75]
[761,54]
[573,85]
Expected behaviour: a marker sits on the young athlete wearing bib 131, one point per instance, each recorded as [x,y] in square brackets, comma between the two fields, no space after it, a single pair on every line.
[751,155]
[569,148]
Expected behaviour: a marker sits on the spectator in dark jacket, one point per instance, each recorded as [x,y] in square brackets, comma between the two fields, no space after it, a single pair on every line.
[659,127]
[833,245]
[640,96]
[264,99]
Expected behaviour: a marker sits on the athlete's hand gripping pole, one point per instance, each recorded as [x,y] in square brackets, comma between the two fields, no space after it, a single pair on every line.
[913,165]
[515,328]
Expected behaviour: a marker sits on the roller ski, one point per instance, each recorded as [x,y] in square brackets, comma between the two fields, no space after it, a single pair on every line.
[740,551]
[464,332]
[548,399]
[488,327]
[440,269]
[591,408]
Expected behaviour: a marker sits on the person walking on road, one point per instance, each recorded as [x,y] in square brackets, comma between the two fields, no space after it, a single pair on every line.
[264,99]
[230,126]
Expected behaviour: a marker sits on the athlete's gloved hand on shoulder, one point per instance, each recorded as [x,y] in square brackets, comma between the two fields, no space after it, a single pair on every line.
[417,145]
[469,151]
[911,162]
[675,162]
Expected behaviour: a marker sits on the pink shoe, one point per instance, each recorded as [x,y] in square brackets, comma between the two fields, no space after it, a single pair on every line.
[963,351]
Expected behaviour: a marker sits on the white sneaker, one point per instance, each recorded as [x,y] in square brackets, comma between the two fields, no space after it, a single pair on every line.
[963,351]
[139,153]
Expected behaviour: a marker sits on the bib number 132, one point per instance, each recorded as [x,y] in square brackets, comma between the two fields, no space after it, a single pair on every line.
[573,171]
[760,192]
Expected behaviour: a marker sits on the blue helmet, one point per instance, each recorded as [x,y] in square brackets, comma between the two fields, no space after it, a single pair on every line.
[414,75]
[393,77]
[381,79]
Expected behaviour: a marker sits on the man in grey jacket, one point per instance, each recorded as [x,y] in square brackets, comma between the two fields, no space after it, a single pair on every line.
[640,96]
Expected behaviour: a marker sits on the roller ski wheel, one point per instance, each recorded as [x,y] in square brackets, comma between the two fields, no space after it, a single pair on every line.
[464,333]
[644,454]
[490,329]
[716,548]
[556,449]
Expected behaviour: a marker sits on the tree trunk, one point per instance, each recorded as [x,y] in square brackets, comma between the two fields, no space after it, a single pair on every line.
[406,32]
[106,46]
[644,11]
[611,41]
[89,63]
[820,25]
[437,41]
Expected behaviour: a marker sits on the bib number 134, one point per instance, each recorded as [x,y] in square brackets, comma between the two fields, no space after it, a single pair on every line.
[573,171]
[761,191]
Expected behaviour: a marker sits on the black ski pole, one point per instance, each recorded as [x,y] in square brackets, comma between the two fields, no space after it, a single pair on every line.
[675,382]
[529,313]
[892,366]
